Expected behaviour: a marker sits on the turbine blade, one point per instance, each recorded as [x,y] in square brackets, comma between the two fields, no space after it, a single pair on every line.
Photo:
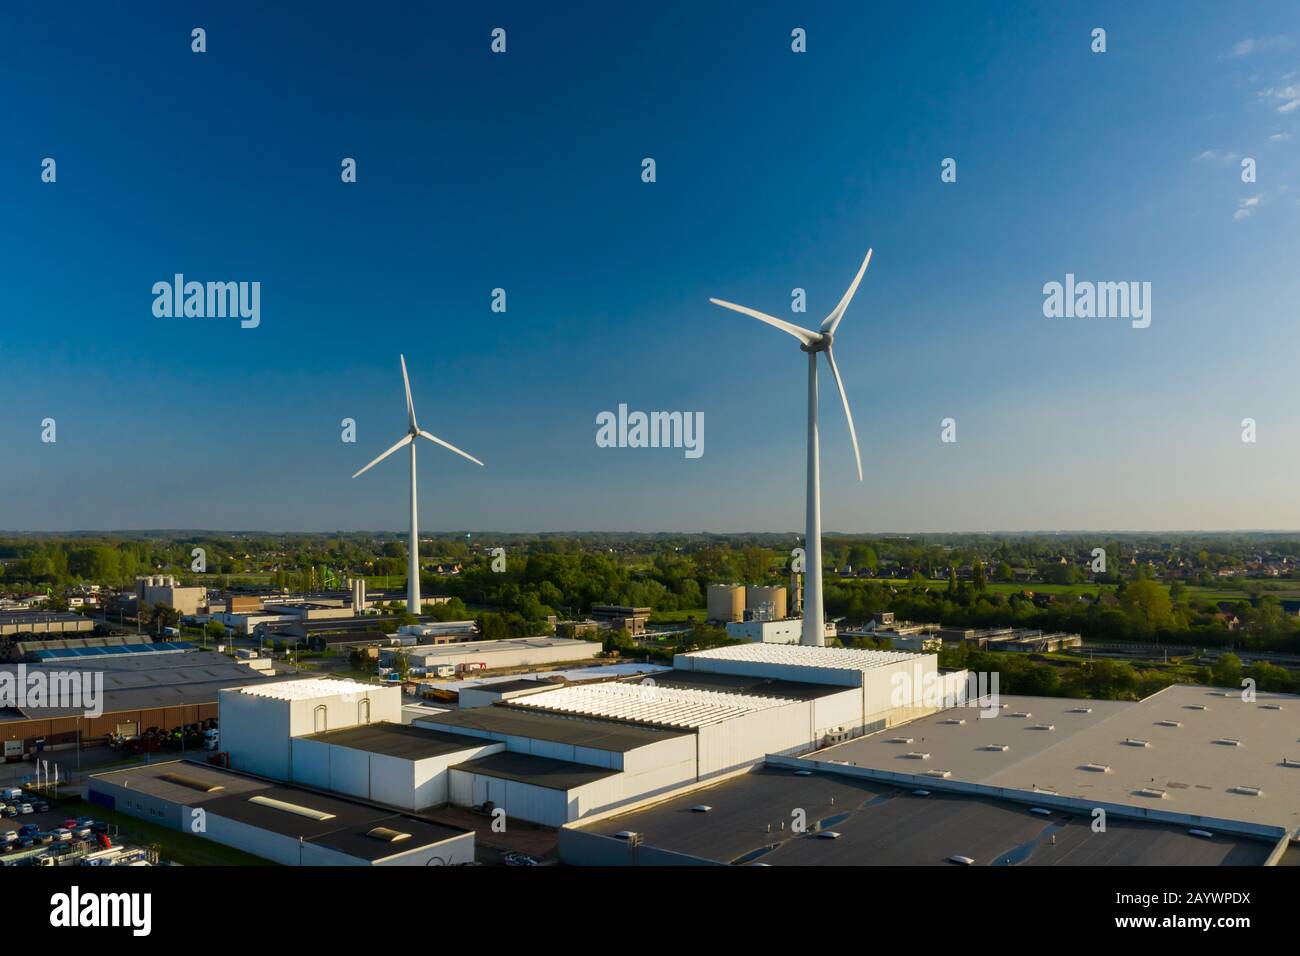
[410,405]
[831,321]
[450,447]
[853,434]
[803,335]
[406,440]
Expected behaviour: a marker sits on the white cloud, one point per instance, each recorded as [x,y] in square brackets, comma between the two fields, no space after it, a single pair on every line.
[1279,137]
[1247,206]
[1253,45]
[1223,156]
[1287,97]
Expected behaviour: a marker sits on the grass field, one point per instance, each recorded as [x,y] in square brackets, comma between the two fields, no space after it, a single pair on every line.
[173,846]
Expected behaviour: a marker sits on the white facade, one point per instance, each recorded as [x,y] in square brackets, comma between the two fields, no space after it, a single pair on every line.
[382,778]
[513,652]
[258,723]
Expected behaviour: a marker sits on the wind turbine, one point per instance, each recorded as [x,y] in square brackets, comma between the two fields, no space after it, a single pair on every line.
[814,622]
[413,552]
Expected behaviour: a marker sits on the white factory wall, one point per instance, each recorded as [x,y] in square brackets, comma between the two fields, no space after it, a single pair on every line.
[521,801]
[396,781]
[844,709]
[744,740]
[376,704]
[879,689]
[454,654]
[287,851]
[255,732]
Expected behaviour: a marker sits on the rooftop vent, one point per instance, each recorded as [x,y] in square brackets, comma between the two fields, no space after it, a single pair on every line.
[953,720]
[1042,726]
[916,755]
[920,793]
[1290,762]
[1228,742]
[1206,834]
[828,834]
[1079,710]
[701,808]
[803,773]
[1169,723]
[961,860]
[1022,713]
[1248,791]
[1154,792]
[1135,742]
[999,747]
[1041,811]
[939,773]
[387,834]
[1195,707]
[308,812]
[1096,767]
[899,740]
[1270,706]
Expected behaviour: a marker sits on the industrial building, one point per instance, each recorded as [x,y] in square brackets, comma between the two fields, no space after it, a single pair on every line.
[139,691]
[726,603]
[13,623]
[1189,752]
[621,617]
[494,655]
[552,753]
[163,589]
[259,722]
[287,825]
[791,816]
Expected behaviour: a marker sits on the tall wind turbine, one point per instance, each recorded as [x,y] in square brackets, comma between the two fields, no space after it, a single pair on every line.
[413,552]
[814,622]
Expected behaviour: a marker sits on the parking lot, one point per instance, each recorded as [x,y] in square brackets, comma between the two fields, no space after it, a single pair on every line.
[42,832]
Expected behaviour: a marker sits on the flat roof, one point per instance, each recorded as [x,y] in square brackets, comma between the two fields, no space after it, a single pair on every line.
[511,686]
[397,740]
[650,703]
[537,771]
[345,829]
[750,821]
[801,655]
[309,688]
[1187,749]
[745,684]
[578,731]
[149,681]
[501,646]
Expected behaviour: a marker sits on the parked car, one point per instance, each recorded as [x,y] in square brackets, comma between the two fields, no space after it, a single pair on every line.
[43,838]
[85,821]
[521,859]
[9,836]
[26,843]
[9,811]
[26,808]
[27,829]
[41,806]
[62,834]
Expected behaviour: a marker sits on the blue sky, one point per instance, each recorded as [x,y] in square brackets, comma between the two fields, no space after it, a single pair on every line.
[775,170]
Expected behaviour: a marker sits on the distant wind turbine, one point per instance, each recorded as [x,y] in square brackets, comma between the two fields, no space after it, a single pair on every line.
[413,554]
[814,620]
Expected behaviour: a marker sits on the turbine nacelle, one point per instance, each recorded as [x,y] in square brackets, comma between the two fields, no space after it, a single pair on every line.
[820,340]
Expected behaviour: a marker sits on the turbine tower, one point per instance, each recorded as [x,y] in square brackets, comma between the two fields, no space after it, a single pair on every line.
[814,620]
[413,552]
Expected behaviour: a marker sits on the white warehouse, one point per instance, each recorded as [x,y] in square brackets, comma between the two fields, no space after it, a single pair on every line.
[259,722]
